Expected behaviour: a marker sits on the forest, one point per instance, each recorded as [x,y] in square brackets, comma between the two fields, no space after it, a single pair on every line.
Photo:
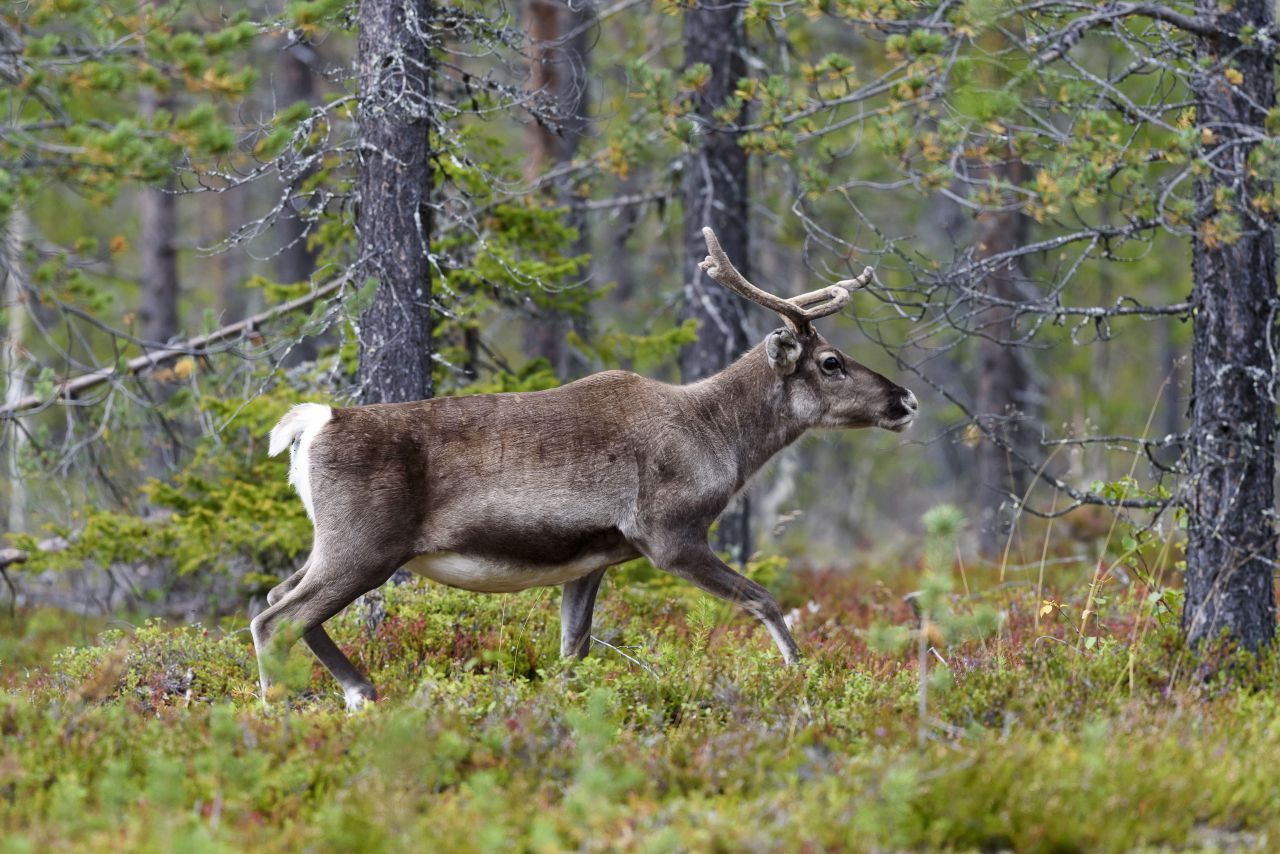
[1036,613]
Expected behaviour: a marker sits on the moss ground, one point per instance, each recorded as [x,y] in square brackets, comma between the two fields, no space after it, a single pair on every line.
[682,733]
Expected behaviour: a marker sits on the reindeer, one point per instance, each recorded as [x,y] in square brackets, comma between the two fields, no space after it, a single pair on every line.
[503,492]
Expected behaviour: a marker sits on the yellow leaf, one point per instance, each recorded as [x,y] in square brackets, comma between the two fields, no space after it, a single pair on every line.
[1046,608]
[1234,76]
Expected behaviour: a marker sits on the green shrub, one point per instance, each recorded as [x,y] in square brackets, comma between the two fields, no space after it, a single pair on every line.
[681,731]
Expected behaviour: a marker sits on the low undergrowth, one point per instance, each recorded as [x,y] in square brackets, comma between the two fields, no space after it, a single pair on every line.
[681,731]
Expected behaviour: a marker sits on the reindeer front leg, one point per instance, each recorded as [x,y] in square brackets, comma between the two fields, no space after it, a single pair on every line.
[693,560]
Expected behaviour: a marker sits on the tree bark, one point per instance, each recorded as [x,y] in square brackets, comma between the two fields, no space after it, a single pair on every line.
[1172,411]
[15,306]
[395,216]
[297,261]
[234,299]
[559,52]
[157,248]
[715,193]
[1231,546]
[1005,390]
[158,294]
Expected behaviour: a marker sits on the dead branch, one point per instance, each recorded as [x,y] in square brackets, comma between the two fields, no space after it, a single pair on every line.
[72,387]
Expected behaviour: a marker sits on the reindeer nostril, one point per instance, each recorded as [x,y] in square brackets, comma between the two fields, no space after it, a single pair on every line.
[909,401]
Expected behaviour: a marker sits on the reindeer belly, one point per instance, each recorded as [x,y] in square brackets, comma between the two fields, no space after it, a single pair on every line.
[489,574]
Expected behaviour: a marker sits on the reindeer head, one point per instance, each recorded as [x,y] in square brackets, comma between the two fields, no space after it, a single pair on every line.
[823,386]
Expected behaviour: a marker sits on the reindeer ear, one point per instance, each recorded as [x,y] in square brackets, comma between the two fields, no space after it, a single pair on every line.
[783,349]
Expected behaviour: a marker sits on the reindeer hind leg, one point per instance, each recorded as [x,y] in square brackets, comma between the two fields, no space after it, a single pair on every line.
[577,604]
[321,592]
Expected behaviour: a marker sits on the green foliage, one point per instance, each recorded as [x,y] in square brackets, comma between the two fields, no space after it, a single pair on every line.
[228,509]
[684,732]
[534,375]
[84,120]
[643,353]
[231,499]
[681,731]
[942,621]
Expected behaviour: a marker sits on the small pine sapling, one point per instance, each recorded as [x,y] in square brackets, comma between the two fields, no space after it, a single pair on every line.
[942,618]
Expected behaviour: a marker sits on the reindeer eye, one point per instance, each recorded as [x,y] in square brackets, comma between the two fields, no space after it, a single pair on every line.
[831,364]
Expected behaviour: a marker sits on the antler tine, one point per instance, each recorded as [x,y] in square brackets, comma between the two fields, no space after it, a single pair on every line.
[796,311]
[718,266]
[829,300]
[858,282]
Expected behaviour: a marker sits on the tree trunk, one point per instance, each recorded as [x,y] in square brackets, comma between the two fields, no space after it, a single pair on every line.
[395,217]
[158,294]
[559,51]
[1231,546]
[715,194]
[1005,387]
[617,260]
[1172,411]
[234,299]
[15,306]
[157,248]
[297,261]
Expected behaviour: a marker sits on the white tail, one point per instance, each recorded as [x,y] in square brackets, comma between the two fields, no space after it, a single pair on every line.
[302,423]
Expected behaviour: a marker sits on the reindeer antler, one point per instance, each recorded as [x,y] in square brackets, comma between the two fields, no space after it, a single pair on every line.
[797,312]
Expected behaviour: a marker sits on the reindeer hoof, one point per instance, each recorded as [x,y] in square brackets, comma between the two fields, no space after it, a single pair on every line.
[359,696]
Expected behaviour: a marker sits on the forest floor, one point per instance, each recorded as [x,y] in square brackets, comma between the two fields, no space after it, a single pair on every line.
[684,732]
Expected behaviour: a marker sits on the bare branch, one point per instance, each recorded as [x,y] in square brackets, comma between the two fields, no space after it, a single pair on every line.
[71,388]
[1070,36]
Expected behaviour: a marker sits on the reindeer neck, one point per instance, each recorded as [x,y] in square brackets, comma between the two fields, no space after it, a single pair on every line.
[744,410]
